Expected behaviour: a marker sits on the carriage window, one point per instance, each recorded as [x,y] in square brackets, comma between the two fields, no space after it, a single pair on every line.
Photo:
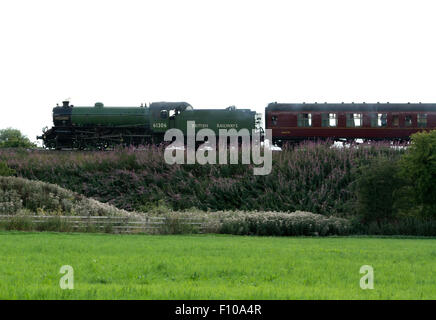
[379,119]
[274,120]
[350,120]
[354,119]
[304,119]
[422,120]
[324,119]
[329,120]
[164,114]
[395,120]
[382,120]
[373,117]
[408,121]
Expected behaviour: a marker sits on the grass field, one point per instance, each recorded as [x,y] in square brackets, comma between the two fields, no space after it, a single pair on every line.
[214,267]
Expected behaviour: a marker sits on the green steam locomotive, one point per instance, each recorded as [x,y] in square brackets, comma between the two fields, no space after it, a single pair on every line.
[101,127]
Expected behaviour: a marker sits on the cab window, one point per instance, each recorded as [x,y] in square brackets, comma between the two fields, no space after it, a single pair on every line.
[164,114]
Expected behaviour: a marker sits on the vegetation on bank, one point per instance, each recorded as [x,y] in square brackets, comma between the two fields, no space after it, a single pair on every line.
[377,188]
[20,197]
[314,177]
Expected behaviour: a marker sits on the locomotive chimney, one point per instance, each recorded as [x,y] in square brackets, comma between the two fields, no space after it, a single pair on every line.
[65,103]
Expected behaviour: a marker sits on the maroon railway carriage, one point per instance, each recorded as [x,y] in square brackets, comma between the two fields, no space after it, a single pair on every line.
[348,121]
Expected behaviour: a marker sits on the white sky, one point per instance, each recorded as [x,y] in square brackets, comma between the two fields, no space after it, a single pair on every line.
[211,54]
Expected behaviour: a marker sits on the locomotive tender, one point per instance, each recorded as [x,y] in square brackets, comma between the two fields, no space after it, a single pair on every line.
[348,121]
[101,127]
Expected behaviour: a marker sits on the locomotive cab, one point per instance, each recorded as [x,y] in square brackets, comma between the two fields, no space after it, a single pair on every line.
[163,114]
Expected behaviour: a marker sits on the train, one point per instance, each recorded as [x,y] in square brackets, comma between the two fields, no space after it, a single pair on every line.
[102,127]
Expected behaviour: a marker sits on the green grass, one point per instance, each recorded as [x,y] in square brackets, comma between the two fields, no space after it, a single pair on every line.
[214,267]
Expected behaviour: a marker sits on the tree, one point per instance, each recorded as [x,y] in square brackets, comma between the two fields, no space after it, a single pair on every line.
[418,165]
[376,190]
[13,138]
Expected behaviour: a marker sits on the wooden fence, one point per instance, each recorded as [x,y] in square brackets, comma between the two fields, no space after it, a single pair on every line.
[116,224]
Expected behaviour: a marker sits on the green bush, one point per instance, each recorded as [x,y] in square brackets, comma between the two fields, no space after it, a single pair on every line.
[377,190]
[418,165]
[5,170]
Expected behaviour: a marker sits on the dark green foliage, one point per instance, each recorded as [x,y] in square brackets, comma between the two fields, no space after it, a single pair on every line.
[419,167]
[23,223]
[17,223]
[5,170]
[409,226]
[54,224]
[176,225]
[13,138]
[376,190]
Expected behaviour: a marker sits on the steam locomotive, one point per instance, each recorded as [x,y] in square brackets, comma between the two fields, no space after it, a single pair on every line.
[101,127]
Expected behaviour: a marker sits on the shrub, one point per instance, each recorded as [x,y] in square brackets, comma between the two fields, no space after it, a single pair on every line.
[5,170]
[177,225]
[376,189]
[419,167]
[282,224]
[408,226]
[10,202]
